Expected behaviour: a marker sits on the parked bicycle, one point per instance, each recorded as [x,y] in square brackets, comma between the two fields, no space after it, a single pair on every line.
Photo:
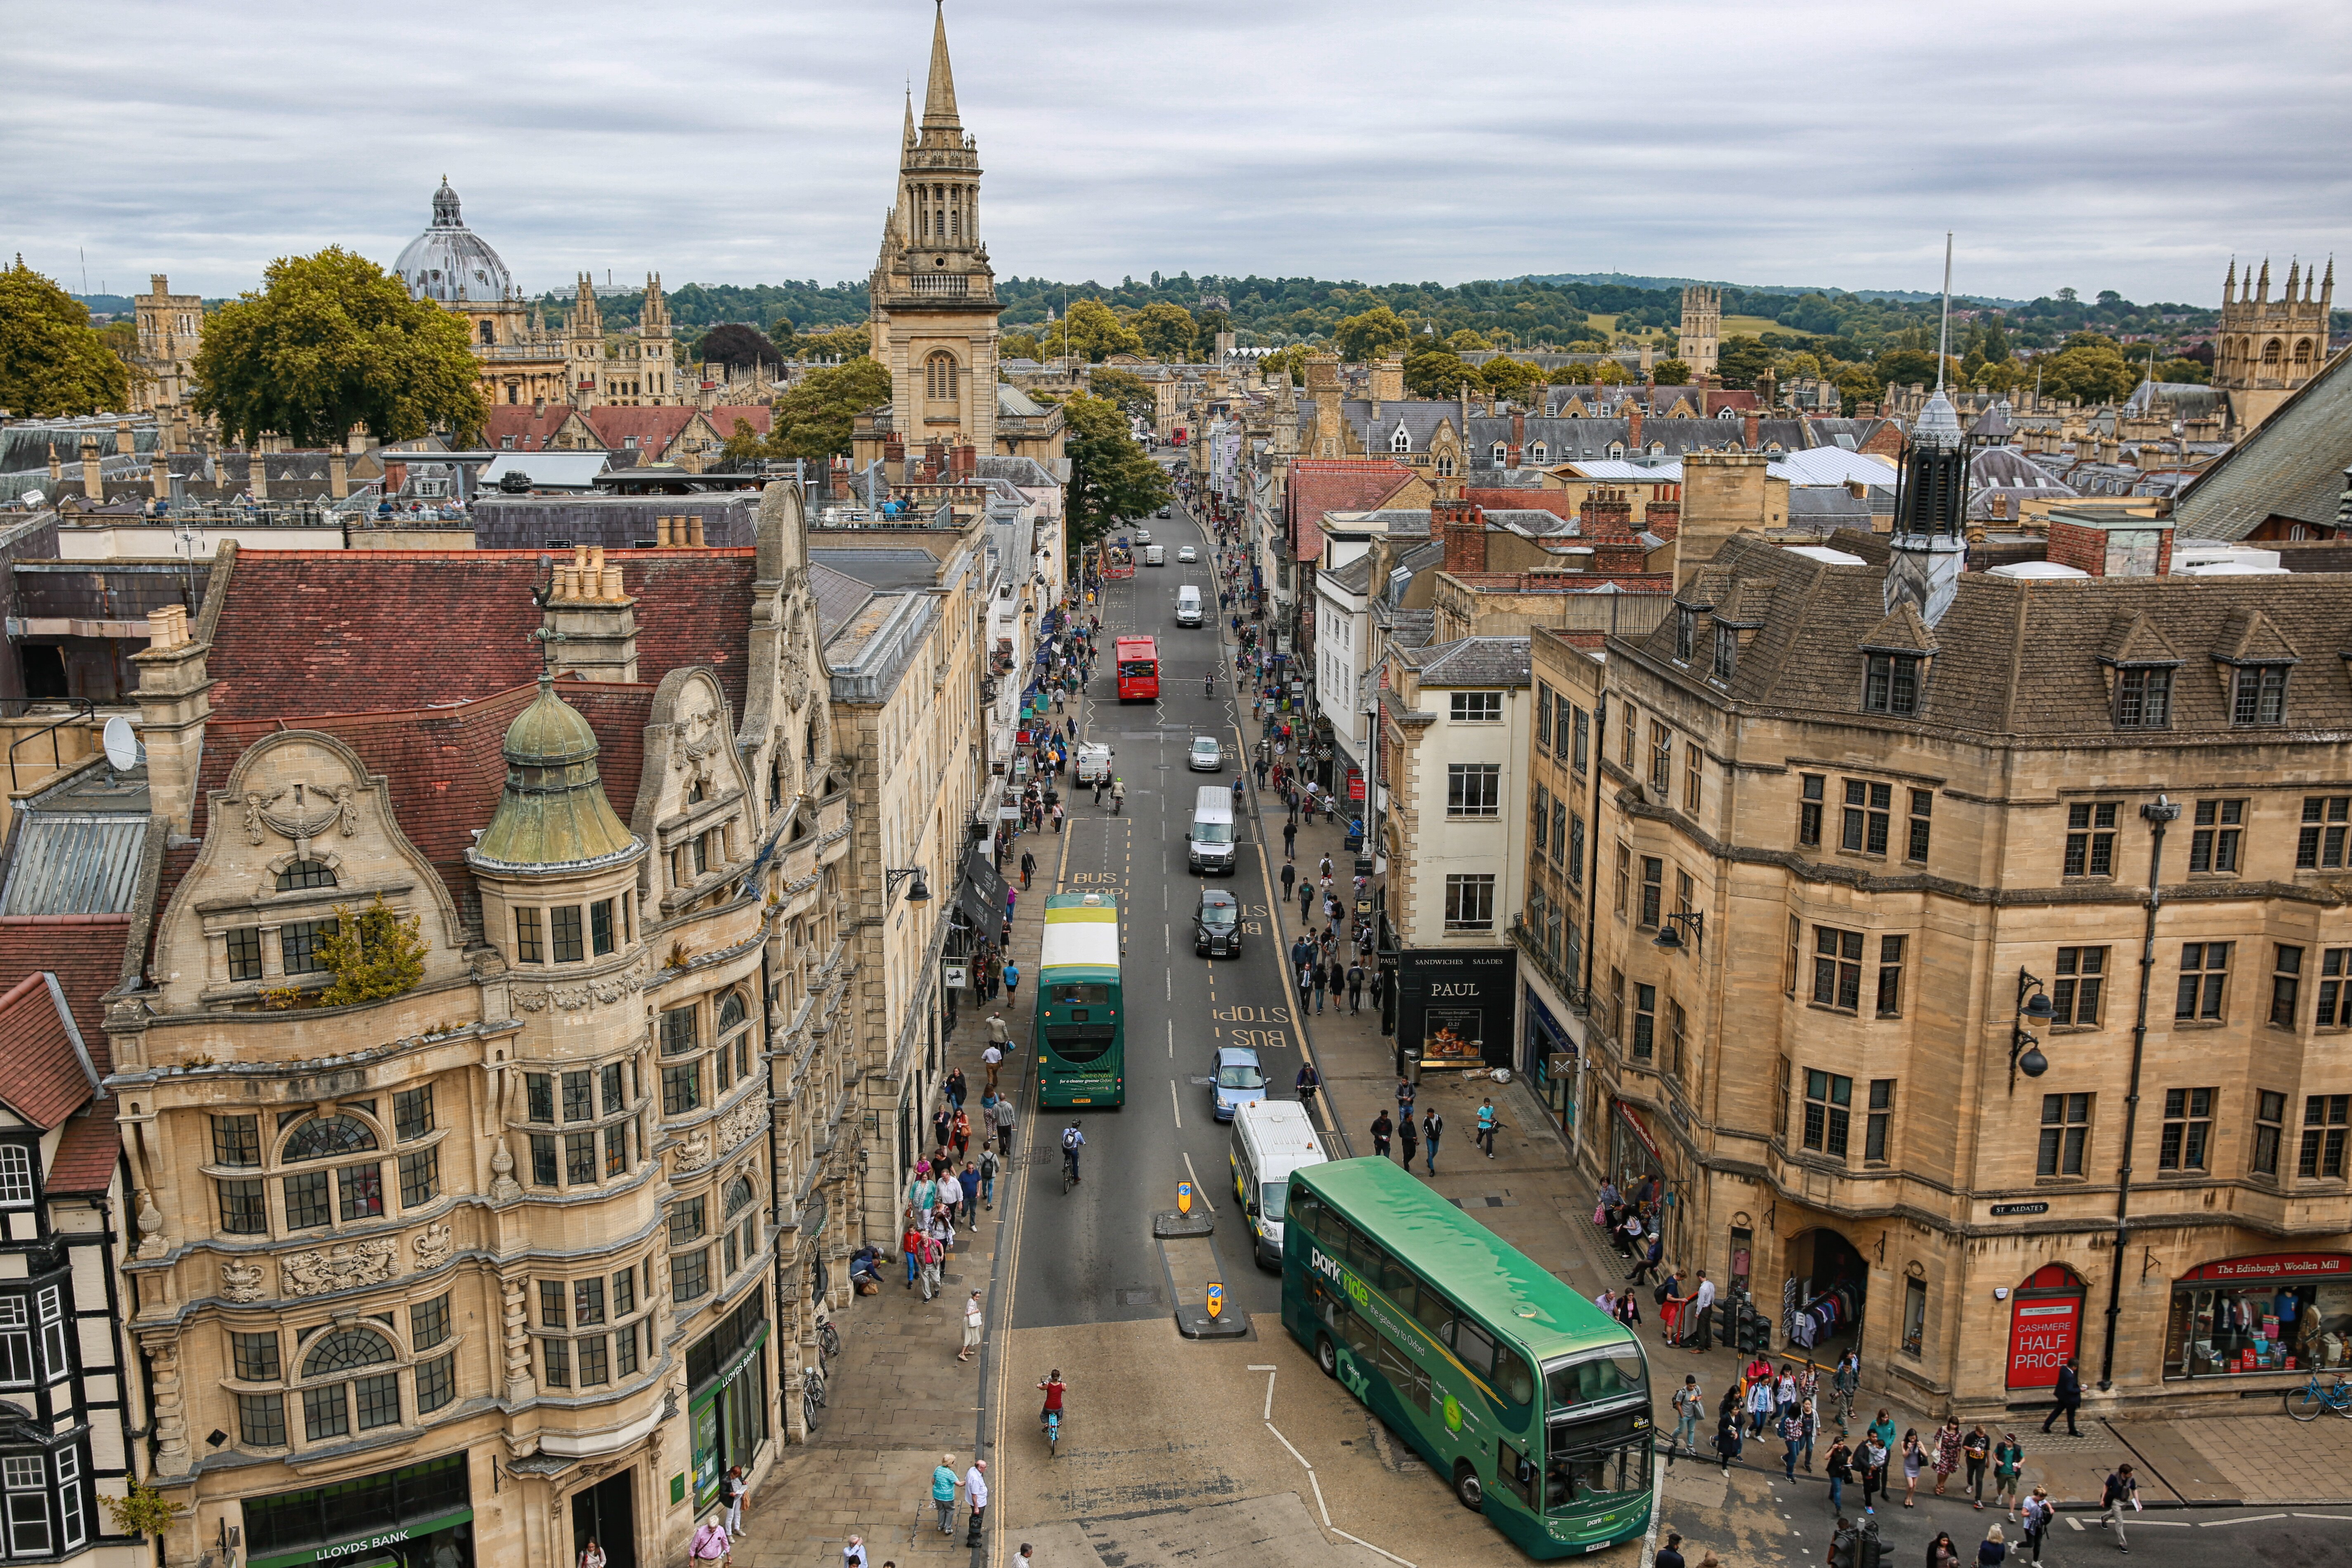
[812,1395]
[2304,1404]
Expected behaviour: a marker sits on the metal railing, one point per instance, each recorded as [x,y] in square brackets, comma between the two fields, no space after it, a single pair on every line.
[82,710]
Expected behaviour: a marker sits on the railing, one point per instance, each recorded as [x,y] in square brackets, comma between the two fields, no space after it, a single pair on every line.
[82,710]
[939,283]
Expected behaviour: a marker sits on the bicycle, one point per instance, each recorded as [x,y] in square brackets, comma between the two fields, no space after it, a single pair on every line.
[1053,1433]
[2304,1404]
[811,1396]
[828,1338]
[1069,1171]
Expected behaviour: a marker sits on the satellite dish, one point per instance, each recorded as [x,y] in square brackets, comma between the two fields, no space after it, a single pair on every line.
[122,744]
[32,497]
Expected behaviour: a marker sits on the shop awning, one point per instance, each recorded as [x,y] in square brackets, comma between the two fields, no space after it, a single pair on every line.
[1634,1120]
[981,895]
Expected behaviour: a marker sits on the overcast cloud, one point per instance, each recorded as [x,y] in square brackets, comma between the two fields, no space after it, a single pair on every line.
[2097,144]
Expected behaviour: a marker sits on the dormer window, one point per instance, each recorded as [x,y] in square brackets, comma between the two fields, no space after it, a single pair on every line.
[1502,454]
[1686,630]
[1616,449]
[1401,441]
[1536,453]
[2144,699]
[2258,694]
[1890,684]
[1726,651]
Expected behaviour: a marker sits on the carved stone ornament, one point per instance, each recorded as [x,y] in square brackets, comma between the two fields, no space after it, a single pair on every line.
[343,1266]
[151,1228]
[699,737]
[605,990]
[432,1245]
[504,1188]
[240,1281]
[694,1152]
[741,1122]
[300,825]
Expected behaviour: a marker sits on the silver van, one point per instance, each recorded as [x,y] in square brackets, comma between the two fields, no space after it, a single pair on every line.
[1188,606]
[1208,841]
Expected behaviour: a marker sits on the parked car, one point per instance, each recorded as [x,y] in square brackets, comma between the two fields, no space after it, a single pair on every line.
[1187,555]
[1206,756]
[1217,924]
[1164,511]
[1238,1080]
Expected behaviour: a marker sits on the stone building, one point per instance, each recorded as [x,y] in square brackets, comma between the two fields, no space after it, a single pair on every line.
[170,330]
[1933,916]
[1700,340]
[2266,348]
[519,1254]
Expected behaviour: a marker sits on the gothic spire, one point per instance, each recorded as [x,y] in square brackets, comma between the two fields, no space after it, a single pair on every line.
[908,139]
[939,95]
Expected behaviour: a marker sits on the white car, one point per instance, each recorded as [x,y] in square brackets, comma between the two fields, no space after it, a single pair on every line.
[1187,555]
[1143,536]
[1206,756]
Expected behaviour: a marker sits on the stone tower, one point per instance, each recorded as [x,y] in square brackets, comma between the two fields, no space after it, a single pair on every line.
[584,345]
[934,293]
[1702,329]
[655,352]
[2267,348]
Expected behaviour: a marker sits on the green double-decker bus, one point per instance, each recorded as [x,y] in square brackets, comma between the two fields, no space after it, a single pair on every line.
[1534,1402]
[1081,1030]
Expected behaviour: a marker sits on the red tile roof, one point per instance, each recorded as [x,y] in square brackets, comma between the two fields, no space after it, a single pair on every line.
[531,427]
[84,952]
[365,631]
[759,416]
[1337,484]
[41,1075]
[87,1155]
[650,430]
[1555,502]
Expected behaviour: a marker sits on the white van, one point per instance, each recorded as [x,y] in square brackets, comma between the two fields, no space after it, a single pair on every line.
[1272,1138]
[1209,840]
[1188,606]
[1155,556]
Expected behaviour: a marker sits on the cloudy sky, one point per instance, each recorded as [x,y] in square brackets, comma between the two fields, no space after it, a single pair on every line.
[2098,144]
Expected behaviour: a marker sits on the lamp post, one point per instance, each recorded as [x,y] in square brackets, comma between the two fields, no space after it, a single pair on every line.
[2025,1051]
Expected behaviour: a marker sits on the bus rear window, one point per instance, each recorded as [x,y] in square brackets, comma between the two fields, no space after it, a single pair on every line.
[1081,993]
[1139,667]
[1611,1374]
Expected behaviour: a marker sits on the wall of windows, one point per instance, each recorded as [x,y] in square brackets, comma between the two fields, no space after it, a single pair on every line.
[327,1383]
[290,1171]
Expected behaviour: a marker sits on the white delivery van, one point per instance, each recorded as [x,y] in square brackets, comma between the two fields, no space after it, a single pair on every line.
[1188,606]
[1093,762]
[1155,556]
[1272,1138]
[1209,840]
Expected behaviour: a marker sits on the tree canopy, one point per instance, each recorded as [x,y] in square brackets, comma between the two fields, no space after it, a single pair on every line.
[1509,377]
[1439,372]
[1129,390]
[1369,334]
[2091,367]
[841,342]
[1671,373]
[333,341]
[814,419]
[733,343]
[1093,330]
[1290,362]
[1167,330]
[1110,476]
[52,362]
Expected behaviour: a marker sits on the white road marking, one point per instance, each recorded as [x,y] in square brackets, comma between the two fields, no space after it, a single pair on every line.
[1269,1371]
[1321,1507]
[2072,1521]
[2338,1518]
[2215,1523]
[1285,1442]
[1174,1105]
[1197,1187]
[1171,1039]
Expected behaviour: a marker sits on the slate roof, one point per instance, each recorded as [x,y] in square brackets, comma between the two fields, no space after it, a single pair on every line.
[839,596]
[2023,659]
[378,630]
[2292,466]
[886,567]
[1471,661]
[1408,628]
[1355,577]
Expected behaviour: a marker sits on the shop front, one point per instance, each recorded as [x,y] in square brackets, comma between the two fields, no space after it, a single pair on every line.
[419,1516]
[1455,1007]
[727,1371]
[2046,1326]
[2266,1312]
[1548,1061]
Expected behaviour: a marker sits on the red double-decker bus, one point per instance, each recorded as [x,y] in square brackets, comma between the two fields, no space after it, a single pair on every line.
[1138,670]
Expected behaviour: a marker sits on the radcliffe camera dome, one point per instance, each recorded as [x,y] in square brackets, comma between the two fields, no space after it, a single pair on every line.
[449,261]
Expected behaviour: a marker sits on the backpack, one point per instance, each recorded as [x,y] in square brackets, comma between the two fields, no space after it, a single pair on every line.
[1070,1137]
[1661,1293]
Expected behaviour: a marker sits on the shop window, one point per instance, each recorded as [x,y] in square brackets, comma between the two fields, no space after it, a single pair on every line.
[2254,1319]
[2078,987]
[1653,873]
[1828,1099]
[2325,1119]
[1923,804]
[1810,788]
[2091,839]
[1837,969]
[1914,1315]
[1876,1132]
[1645,1021]
[2204,973]
[1868,809]
[2213,845]
[1890,976]
[2286,983]
[2319,845]
[2187,1129]
[2270,1115]
[2065,1134]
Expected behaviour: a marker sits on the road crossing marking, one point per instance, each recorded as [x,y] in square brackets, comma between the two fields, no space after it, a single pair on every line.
[2212,1523]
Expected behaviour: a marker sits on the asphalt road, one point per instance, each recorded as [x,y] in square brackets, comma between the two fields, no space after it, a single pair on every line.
[1087,1256]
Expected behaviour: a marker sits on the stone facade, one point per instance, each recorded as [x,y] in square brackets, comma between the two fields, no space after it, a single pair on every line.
[1700,340]
[170,329]
[2266,348]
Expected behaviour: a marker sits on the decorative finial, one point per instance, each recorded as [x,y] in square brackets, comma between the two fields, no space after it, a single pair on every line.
[1943,329]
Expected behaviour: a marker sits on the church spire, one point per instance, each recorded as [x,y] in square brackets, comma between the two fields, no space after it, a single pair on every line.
[907,140]
[939,95]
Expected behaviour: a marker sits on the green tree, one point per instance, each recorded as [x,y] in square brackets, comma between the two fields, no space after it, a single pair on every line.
[1167,330]
[333,341]
[842,342]
[1467,339]
[1204,335]
[1610,373]
[51,360]
[785,336]
[1019,345]
[1290,362]
[734,343]
[1671,373]
[373,954]
[1907,367]
[1995,341]
[1094,332]
[1370,334]
[1129,390]
[1741,360]
[1509,377]
[814,418]
[1110,476]
[2090,367]
[2186,371]
[1439,372]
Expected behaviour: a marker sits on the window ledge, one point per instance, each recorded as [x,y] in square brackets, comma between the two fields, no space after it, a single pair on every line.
[2200,1022]
[1835,1012]
[2046,1182]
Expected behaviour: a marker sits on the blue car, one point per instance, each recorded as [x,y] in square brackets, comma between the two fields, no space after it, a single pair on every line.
[1238,1081]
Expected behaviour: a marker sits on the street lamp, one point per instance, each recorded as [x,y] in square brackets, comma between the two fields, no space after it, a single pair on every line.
[918,894]
[2025,1051]
[1670,940]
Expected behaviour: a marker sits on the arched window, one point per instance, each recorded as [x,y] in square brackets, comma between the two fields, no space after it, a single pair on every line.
[325,1137]
[2303,353]
[327,1408]
[939,377]
[1445,466]
[300,873]
[2271,352]
[740,1195]
[731,1012]
[340,1349]
[1401,442]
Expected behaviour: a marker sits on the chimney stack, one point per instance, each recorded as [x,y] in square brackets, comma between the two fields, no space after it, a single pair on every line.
[256,467]
[594,617]
[1724,493]
[124,445]
[174,700]
[159,476]
[93,485]
[1463,526]
[1749,420]
[1632,426]
[339,474]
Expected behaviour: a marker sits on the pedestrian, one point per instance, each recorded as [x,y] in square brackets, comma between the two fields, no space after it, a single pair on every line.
[2036,1513]
[1381,1128]
[988,1168]
[2067,1398]
[934,1254]
[733,1490]
[1792,1433]
[1690,1404]
[1949,1441]
[2122,1488]
[973,1318]
[1843,1383]
[942,1126]
[1059,817]
[592,1555]
[1883,1428]
[1650,1261]
[1306,902]
[853,1555]
[962,1129]
[1289,851]
[1028,864]
[1839,1467]
[1727,1441]
[1011,975]
[1379,982]
[1406,1091]
[1317,975]
[1290,881]
[1993,1550]
[1810,1423]
[1874,1456]
[1356,978]
[911,1244]
[1433,1127]
[1003,1117]
[1670,1555]
[968,1183]
[975,1496]
[992,1057]
[943,1492]
[2008,1465]
[1762,1405]
[1914,1458]
[1974,1449]
[710,1543]
[1408,1141]
[1943,1552]
[1486,1126]
[1700,1305]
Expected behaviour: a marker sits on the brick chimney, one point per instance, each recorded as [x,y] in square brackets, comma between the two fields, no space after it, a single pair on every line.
[1605,514]
[1618,557]
[1663,518]
[1632,426]
[592,618]
[174,700]
[1463,525]
[1749,420]
[1518,436]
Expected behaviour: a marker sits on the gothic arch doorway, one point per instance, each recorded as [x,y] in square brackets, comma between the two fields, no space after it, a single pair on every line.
[1824,1290]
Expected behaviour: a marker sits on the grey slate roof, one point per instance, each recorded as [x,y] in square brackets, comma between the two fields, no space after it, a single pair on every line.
[1406,628]
[2292,466]
[1471,661]
[1025,472]
[838,598]
[902,566]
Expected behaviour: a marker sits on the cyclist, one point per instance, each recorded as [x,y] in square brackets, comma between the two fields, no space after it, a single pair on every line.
[1072,1142]
[1118,795]
[1237,789]
[1053,1389]
[1208,684]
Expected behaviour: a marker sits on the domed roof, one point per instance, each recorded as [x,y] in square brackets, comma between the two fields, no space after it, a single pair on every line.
[553,811]
[1939,424]
[449,261]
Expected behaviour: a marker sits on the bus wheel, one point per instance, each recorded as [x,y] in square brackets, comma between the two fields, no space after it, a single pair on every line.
[1326,1357]
[1468,1490]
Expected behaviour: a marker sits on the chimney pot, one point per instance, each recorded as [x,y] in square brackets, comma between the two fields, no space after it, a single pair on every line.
[693,525]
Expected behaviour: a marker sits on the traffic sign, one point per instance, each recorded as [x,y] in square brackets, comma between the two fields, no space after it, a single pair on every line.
[1183,1197]
[1216,1298]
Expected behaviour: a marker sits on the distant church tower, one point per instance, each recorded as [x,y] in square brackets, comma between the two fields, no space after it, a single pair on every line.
[1702,327]
[934,294]
[583,346]
[2267,348]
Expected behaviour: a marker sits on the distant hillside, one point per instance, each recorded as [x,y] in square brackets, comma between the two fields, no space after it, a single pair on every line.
[1630,281]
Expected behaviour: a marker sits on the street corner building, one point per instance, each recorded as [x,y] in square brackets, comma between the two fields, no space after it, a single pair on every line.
[479,1260]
